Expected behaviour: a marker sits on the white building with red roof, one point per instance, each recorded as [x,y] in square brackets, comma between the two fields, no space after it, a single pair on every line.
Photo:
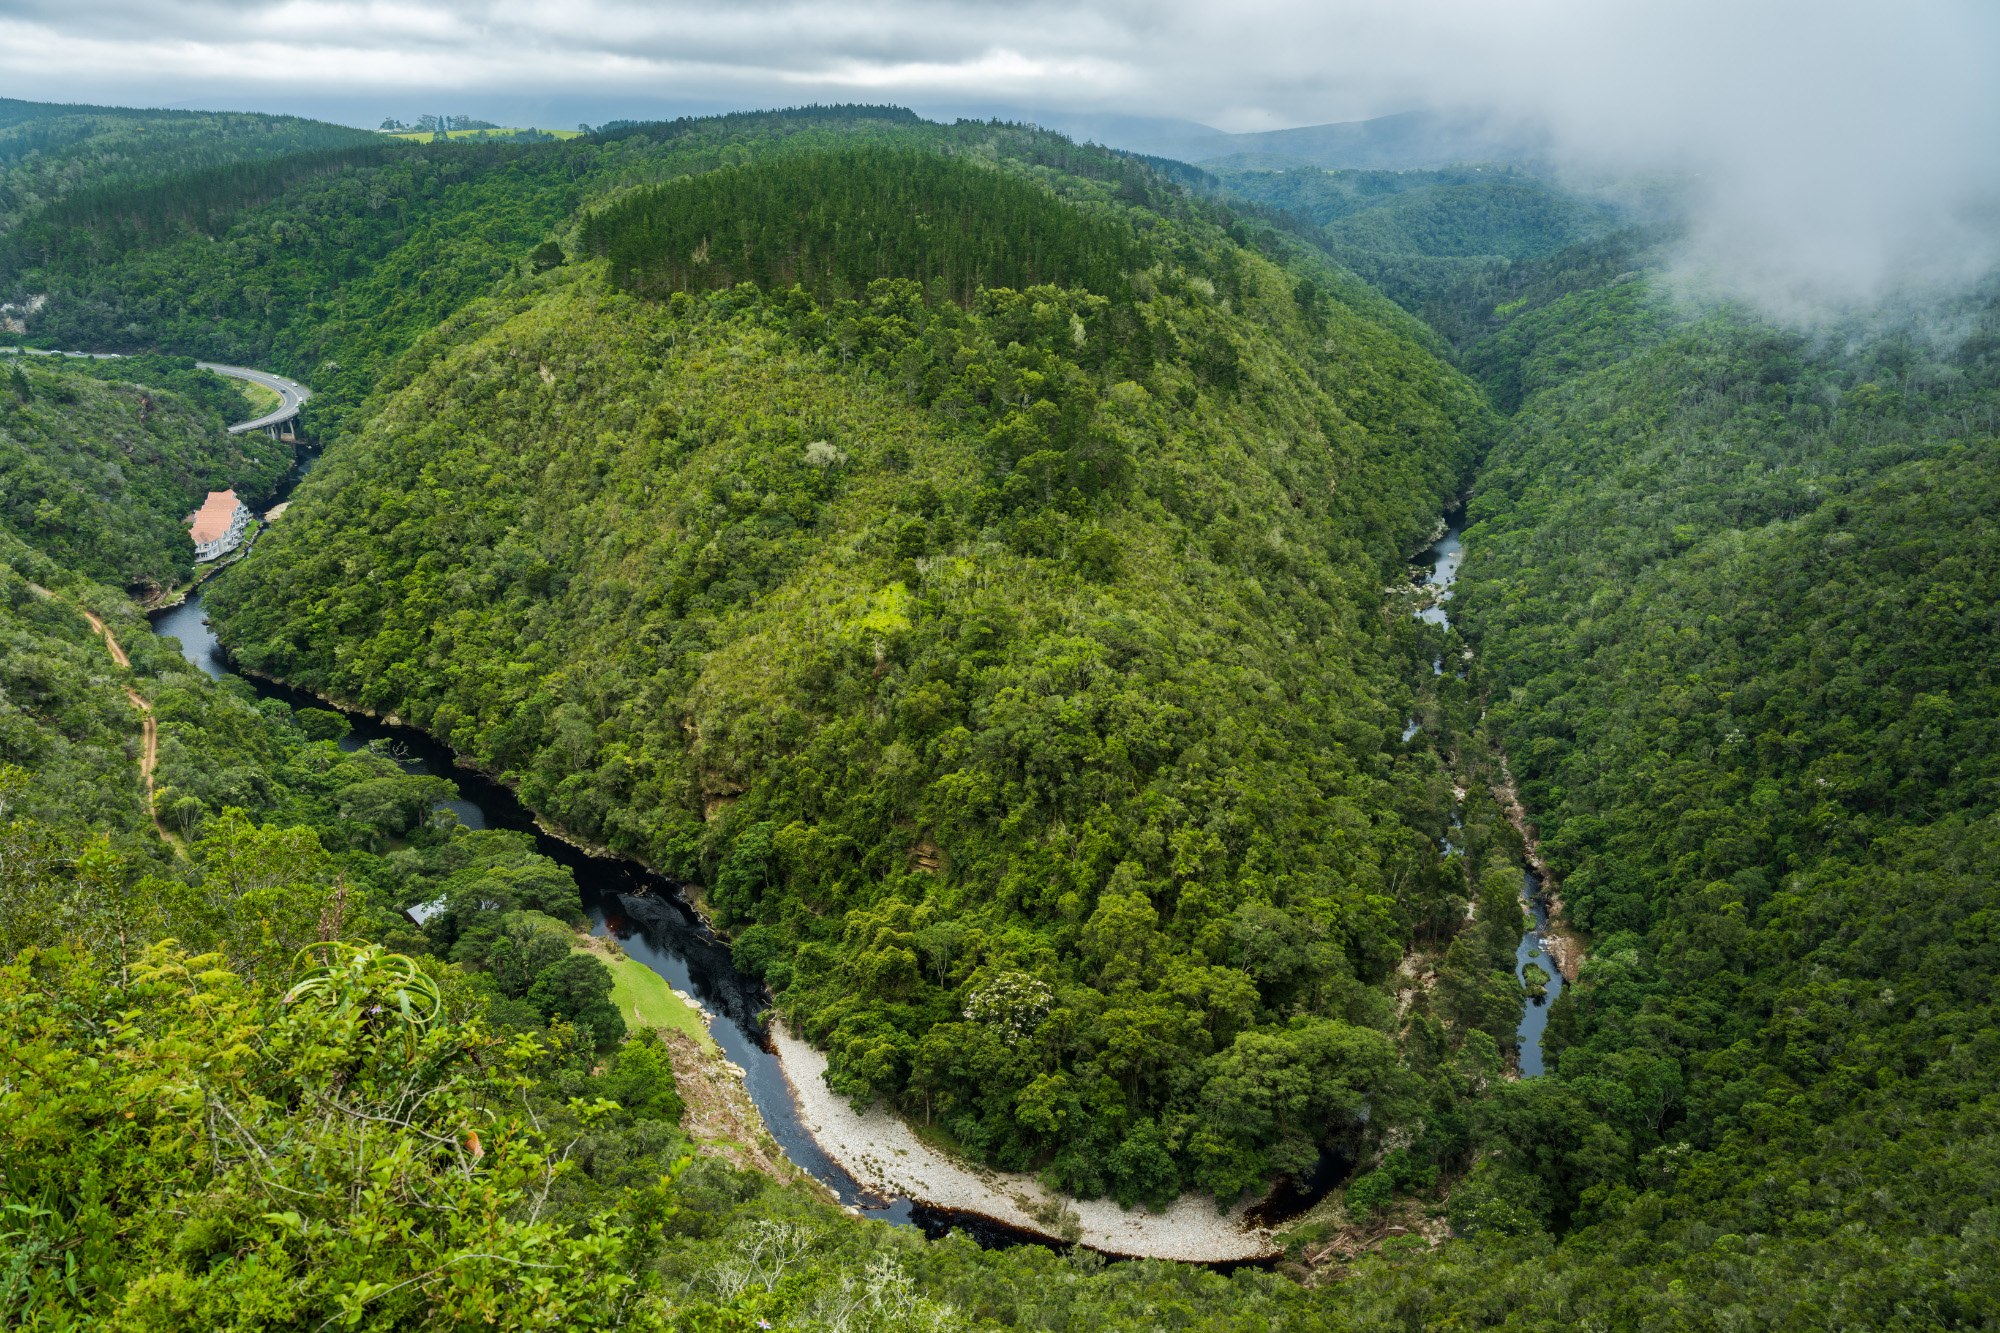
[219,524]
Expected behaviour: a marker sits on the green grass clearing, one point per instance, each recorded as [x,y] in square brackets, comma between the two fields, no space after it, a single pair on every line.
[636,988]
[633,984]
[261,399]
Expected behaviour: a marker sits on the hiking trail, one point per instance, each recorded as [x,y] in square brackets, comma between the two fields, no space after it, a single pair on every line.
[149,755]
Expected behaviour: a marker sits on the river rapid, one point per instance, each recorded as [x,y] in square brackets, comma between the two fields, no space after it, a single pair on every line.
[1444,557]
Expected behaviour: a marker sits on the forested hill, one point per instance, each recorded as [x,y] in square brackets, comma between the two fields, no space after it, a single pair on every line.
[102,461]
[328,265]
[988,541]
[1729,589]
[969,559]
[1418,235]
[1031,642]
[1728,601]
[54,151]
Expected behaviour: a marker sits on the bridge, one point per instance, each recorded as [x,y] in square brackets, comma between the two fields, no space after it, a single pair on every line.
[291,394]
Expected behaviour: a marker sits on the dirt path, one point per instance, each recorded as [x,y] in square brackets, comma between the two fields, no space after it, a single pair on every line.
[149,758]
[149,755]
[110,641]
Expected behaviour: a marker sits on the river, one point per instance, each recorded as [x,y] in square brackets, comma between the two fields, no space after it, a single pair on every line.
[1445,556]
[644,910]
[1531,950]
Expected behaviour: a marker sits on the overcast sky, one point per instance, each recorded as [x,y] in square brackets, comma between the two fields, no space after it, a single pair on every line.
[1837,138]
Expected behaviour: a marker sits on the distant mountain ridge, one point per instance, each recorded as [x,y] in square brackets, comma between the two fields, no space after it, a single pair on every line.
[1412,140]
[51,151]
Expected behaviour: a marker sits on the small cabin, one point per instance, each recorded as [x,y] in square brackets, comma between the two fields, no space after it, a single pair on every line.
[418,913]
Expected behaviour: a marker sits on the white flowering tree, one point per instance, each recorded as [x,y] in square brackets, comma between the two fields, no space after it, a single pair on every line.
[1013,1004]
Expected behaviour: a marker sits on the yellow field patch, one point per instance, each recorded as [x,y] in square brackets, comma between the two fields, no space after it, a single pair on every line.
[425,136]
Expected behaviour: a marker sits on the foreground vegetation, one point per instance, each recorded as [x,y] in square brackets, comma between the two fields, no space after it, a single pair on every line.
[194,1147]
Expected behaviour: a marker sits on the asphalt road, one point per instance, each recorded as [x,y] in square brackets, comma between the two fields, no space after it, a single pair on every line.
[292,392]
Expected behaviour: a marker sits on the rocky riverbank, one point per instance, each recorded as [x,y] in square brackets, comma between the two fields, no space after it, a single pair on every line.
[1560,942]
[883,1153]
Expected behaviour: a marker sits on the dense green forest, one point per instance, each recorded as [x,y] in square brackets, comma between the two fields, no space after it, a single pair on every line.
[208,1122]
[1000,619]
[948,225]
[1731,590]
[1415,234]
[329,265]
[1493,210]
[54,151]
[146,966]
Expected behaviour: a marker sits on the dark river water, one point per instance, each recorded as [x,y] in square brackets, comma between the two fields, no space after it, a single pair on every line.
[645,911]
[1444,557]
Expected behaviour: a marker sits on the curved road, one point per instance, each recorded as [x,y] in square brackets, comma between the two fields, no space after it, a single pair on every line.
[291,393]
